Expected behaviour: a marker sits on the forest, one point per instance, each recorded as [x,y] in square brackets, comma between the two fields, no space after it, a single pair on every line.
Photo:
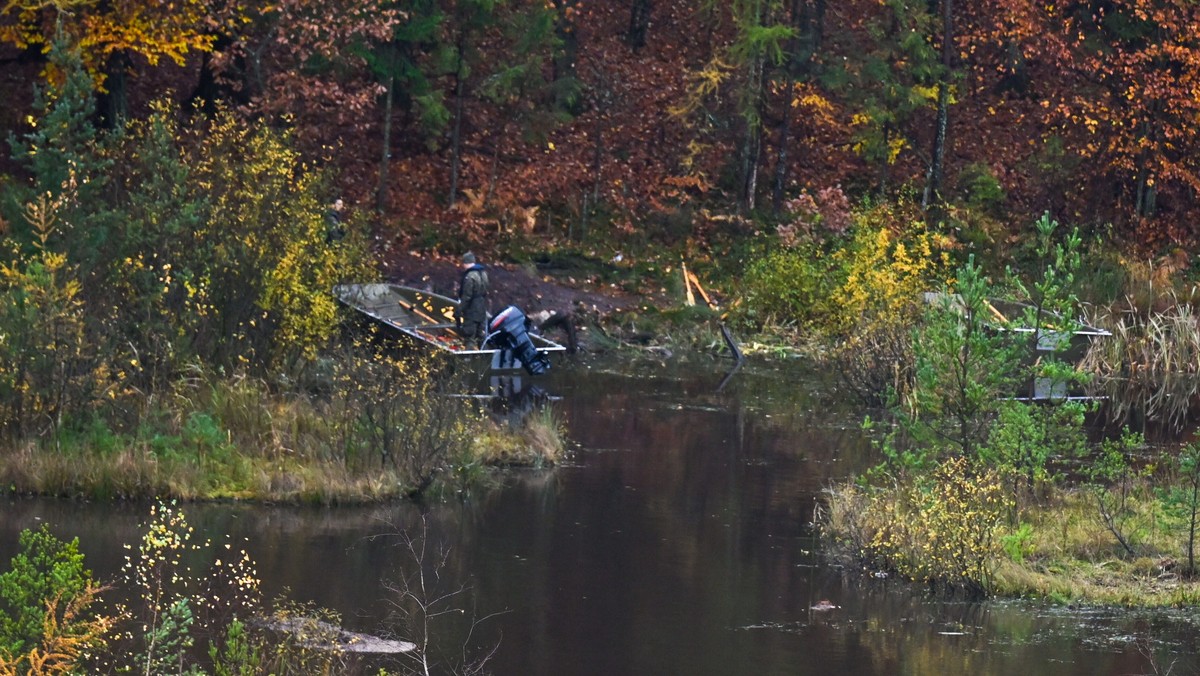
[168,256]
[670,120]
[168,331]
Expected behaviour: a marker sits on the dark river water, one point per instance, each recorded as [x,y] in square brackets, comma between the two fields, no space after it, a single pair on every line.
[676,539]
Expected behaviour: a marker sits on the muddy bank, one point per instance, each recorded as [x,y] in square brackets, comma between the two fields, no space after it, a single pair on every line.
[529,287]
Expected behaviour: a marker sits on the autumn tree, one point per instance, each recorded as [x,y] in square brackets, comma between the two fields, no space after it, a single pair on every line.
[807,18]
[891,78]
[1112,83]
[45,358]
[64,158]
[1133,116]
[739,71]
[304,63]
[258,270]
[407,61]
[110,35]
[515,87]
[46,355]
[153,258]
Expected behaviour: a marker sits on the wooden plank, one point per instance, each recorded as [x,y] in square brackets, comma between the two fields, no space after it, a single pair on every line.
[687,283]
[412,307]
[707,300]
[999,315]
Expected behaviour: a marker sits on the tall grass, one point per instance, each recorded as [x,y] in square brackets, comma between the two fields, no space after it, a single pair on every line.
[1149,369]
[535,440]
[380,428]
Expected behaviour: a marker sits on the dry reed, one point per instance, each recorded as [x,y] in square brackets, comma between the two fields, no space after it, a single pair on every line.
[1149,369]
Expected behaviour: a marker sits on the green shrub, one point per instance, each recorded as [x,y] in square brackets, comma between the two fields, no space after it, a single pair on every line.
[45,569]
[1019,544]
[237,654]
[1113,482]
[981,189]
[46,360]
[791,287]
[1027,437]
[1180,500]
[941,528]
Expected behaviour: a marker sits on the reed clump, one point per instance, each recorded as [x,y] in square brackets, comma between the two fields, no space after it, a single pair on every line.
[535,439]
[1149,369]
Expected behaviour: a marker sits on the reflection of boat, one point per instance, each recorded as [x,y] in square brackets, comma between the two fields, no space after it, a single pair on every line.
[428,318]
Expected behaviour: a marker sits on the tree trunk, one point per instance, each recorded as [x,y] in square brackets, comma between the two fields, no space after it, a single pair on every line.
[779,184]
[208,90]
[601,103]
[381,195]
[204,94]
[113,104]
[564,61]
[1144,191]
[1191,546]
[808,22]
[597,161]
[639,23]
[751,150]
[933,189]
[456,133]
[781,157]
[495,173]
[882,179]
[933,186]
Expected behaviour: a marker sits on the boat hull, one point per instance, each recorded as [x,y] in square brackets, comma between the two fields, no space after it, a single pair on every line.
[428,319]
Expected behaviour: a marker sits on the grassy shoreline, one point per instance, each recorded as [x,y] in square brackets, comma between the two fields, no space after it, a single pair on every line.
[1060,549]
[237,439]
[138,474]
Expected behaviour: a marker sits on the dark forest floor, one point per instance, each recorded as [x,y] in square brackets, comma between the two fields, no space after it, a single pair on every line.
[528,287]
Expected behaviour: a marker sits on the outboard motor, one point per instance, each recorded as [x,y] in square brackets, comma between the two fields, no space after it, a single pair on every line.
[508,332]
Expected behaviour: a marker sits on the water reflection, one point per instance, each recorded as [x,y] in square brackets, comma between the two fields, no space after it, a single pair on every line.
[676,539]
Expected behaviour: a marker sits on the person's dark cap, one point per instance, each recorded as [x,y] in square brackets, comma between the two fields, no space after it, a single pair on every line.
[469,258]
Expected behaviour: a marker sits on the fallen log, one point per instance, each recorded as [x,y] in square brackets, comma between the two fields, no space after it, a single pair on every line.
[321,635]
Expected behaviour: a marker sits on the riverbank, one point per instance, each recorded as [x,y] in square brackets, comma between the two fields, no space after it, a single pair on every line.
[363,437]
[359,424]
[139,472]
[709,492]
[1070,547]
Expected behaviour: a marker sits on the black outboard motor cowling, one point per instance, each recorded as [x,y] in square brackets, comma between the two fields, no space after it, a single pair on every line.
[507,331]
